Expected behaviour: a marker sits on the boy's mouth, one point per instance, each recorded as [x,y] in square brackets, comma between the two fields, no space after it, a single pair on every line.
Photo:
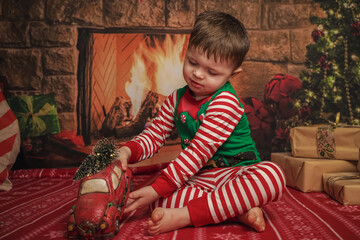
[195,84]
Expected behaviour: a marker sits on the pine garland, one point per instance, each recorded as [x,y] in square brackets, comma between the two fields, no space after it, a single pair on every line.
[104,153]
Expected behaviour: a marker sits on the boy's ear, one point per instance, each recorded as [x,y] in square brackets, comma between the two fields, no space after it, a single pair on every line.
[236,72]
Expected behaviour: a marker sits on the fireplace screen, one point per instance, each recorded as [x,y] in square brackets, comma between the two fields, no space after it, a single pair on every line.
[131,75]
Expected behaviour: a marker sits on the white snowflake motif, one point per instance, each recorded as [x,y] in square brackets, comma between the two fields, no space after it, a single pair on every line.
[349,209]
[55,234]
[186,141]
[183,118]
[356,218]
[141,234]
[227,235]
[303,229]
[332,202]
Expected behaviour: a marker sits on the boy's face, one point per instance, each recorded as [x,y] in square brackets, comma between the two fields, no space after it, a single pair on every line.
[203,75]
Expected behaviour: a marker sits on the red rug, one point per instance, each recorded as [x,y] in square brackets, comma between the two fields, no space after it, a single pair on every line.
[38,206]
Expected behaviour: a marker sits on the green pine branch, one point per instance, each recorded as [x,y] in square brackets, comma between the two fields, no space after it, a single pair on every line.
[104,153]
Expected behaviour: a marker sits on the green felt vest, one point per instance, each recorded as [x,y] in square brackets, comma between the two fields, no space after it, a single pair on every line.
[238,142]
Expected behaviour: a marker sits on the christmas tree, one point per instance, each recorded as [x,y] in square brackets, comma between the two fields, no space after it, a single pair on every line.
[331,83]
[104,154]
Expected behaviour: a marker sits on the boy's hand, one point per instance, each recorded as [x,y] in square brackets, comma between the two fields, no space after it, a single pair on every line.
[141,198]
[124,156]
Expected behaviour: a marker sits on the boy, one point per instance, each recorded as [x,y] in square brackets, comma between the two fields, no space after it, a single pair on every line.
[218,175]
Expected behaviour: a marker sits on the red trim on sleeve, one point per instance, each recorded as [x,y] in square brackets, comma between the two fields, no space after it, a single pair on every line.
[199,212]
[136,151]
[163,186]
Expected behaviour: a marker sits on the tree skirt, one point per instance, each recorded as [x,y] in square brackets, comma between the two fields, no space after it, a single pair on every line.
[38,206]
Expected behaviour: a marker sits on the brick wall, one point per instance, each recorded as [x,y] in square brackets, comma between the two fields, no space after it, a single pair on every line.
[38,38]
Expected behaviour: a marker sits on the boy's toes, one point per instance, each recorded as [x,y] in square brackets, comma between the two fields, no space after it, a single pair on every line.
[254,218]
[157,215]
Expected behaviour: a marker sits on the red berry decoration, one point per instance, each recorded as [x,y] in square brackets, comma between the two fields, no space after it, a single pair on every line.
[304,111]
[355,28]
[324,63]
[316,34]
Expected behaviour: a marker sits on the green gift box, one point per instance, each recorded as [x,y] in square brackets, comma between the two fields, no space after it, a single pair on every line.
[37,114]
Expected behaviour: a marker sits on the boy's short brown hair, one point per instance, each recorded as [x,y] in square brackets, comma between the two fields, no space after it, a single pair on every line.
[220,35]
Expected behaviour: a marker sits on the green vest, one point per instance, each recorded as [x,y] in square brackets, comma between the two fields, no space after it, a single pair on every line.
[239,141]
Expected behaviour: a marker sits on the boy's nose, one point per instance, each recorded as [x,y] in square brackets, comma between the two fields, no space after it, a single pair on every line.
[198,74]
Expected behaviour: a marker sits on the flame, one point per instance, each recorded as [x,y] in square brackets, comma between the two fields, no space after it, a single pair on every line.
[138,85]
[157,66]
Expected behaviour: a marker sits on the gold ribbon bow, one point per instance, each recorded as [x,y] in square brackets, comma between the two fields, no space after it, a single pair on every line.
[38,125]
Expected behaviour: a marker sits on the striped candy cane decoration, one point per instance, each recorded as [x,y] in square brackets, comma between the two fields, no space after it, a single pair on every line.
[9,142]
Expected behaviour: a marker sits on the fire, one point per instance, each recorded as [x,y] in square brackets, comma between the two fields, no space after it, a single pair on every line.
[139,84]
[157,66]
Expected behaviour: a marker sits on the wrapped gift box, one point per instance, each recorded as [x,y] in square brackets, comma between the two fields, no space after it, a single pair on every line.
[305,174]
[341,142]
[37,114]
[358,166]
[343,187]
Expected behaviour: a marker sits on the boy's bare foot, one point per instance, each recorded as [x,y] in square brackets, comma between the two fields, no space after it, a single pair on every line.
[254,218]
[168,219]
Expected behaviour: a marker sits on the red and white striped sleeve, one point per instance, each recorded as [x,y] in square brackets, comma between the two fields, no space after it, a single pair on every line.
[221,118]
[147,143]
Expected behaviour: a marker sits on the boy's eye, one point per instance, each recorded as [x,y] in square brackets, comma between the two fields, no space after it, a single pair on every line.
[192,62]
[212,73]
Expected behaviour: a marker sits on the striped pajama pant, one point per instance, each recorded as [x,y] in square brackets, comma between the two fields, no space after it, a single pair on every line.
[213,196]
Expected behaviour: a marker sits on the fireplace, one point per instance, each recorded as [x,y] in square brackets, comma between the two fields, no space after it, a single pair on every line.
[124,77]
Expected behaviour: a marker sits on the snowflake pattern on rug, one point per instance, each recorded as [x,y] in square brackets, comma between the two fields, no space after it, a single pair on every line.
[38,208]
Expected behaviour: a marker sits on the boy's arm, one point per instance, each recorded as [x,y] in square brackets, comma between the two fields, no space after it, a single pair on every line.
[147,143]
[221,118]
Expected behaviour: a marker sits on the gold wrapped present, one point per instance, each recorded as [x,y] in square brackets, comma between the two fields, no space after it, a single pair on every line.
[343,187]
[332,142]
[358,167]
[305,174]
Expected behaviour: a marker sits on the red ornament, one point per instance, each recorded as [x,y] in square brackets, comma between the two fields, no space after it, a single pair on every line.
[26,145]
[324,63]
[98,209]
[316,34]
[355,28]
[304,112]
[278,95]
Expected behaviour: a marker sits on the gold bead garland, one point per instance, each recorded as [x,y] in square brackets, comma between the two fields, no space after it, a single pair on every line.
[347,89]
[323,94]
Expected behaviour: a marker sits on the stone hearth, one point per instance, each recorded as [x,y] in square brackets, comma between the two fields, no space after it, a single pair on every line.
[39,47]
